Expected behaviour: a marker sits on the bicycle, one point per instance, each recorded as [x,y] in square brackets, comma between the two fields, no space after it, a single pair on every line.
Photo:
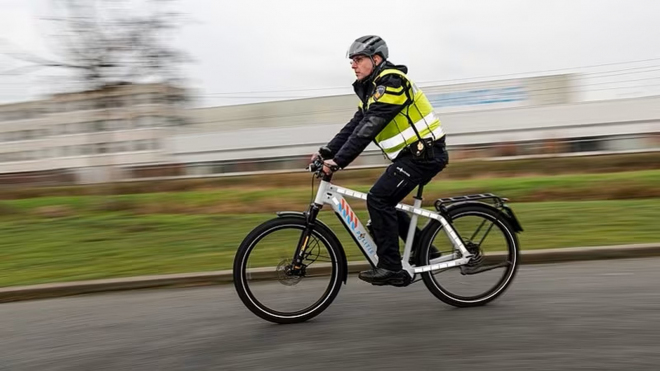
[300,251]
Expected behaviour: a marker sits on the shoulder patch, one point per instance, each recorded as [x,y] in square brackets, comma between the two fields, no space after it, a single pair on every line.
[380,90]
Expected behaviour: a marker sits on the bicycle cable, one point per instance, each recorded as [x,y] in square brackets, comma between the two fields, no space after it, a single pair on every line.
[311,199]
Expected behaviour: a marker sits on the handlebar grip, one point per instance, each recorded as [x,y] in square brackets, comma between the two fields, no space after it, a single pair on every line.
[315,166]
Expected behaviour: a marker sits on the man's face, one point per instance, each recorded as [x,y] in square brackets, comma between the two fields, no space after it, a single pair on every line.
[362,66]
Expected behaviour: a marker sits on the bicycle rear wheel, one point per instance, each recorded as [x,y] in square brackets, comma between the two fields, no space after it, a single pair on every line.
[488,236]
[266,283]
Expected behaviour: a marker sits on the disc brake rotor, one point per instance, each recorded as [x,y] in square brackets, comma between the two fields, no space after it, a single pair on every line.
[284,274]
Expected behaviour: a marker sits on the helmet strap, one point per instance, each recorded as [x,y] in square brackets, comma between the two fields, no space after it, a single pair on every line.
[375,68]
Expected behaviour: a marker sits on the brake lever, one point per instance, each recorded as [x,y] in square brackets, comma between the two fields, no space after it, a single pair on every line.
[317,168]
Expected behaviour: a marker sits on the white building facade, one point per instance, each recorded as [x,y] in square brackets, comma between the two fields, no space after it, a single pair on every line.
[90,135]
[137,131]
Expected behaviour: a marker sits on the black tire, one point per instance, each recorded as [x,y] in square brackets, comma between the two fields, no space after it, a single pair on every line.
[509,238]
[245,291]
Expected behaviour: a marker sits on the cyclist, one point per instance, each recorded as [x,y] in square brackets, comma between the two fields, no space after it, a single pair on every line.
[397,116]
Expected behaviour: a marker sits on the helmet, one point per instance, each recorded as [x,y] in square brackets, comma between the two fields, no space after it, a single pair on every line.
[368,45]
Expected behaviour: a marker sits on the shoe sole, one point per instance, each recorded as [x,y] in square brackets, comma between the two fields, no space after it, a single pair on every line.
[397,282]
[390,283]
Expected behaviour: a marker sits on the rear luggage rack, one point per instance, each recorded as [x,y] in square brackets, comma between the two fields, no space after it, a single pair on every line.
[497,200]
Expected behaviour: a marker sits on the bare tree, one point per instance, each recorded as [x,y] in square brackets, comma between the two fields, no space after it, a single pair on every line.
[110,42]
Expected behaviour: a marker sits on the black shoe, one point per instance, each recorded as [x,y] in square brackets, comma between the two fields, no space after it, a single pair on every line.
[382,276]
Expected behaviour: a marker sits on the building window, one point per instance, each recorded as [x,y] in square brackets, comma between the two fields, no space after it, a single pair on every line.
[119,147]
[97,126]
[585,144]
[145,98]
[157,121]
[144,121]
[101,148]
[142,145]
[115,125]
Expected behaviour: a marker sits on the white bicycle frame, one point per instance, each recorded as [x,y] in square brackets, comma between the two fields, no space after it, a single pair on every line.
[333,195]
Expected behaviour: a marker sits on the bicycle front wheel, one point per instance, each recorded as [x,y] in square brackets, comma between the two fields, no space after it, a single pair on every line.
[266,283]
[492,241]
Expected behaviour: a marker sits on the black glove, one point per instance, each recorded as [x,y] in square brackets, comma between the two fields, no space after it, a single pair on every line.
[325,153]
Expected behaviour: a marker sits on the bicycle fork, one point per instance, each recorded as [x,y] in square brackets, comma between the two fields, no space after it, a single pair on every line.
[297,266]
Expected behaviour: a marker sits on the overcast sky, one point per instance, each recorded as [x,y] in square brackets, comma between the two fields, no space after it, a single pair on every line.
[243,46]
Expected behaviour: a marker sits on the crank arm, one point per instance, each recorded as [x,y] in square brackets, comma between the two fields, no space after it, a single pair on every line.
[467,270]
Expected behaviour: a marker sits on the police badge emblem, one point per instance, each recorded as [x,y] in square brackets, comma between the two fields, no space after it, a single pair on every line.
[380,90]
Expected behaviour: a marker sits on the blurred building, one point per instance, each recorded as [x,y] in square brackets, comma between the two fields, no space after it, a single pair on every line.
[88,136]
[136,132]
[334,110]
[537,116]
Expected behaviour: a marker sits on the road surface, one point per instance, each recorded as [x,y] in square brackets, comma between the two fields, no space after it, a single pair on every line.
[601,315]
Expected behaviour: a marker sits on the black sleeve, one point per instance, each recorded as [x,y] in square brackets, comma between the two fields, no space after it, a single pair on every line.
[375,118]
[338,141]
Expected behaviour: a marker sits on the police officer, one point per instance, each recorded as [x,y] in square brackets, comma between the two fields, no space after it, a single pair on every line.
[398,117]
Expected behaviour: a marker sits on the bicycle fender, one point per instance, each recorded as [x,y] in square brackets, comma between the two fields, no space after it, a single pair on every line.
[505,211]
[517,227]
[321,225]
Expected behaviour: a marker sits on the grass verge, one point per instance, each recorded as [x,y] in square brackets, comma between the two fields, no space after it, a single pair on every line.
[104,244]
[610,186]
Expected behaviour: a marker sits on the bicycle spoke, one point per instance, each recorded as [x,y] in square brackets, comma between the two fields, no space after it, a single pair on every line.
[324,259]
[485,234]
[435,273]
[477,231]
[290,289]
[472,283]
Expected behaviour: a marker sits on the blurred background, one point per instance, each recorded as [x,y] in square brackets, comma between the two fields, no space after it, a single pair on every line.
[146,137]
[107,91]
[158,133]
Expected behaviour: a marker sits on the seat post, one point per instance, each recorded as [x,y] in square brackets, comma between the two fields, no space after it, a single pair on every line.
[411,229]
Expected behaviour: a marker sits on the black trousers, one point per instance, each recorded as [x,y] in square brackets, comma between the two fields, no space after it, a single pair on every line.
[398,180]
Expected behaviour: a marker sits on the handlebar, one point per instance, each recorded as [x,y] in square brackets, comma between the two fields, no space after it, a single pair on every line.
[316,167]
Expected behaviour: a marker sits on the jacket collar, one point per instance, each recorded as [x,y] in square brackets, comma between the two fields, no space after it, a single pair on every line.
[363,88]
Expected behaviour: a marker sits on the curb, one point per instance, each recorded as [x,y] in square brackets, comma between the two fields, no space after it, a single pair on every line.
[52,290]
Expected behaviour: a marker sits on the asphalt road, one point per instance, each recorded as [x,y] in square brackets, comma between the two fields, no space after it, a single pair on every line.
[602,315]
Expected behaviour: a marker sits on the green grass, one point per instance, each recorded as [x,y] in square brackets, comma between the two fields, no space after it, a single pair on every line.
[114,244]
[457,169]
[625,185]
